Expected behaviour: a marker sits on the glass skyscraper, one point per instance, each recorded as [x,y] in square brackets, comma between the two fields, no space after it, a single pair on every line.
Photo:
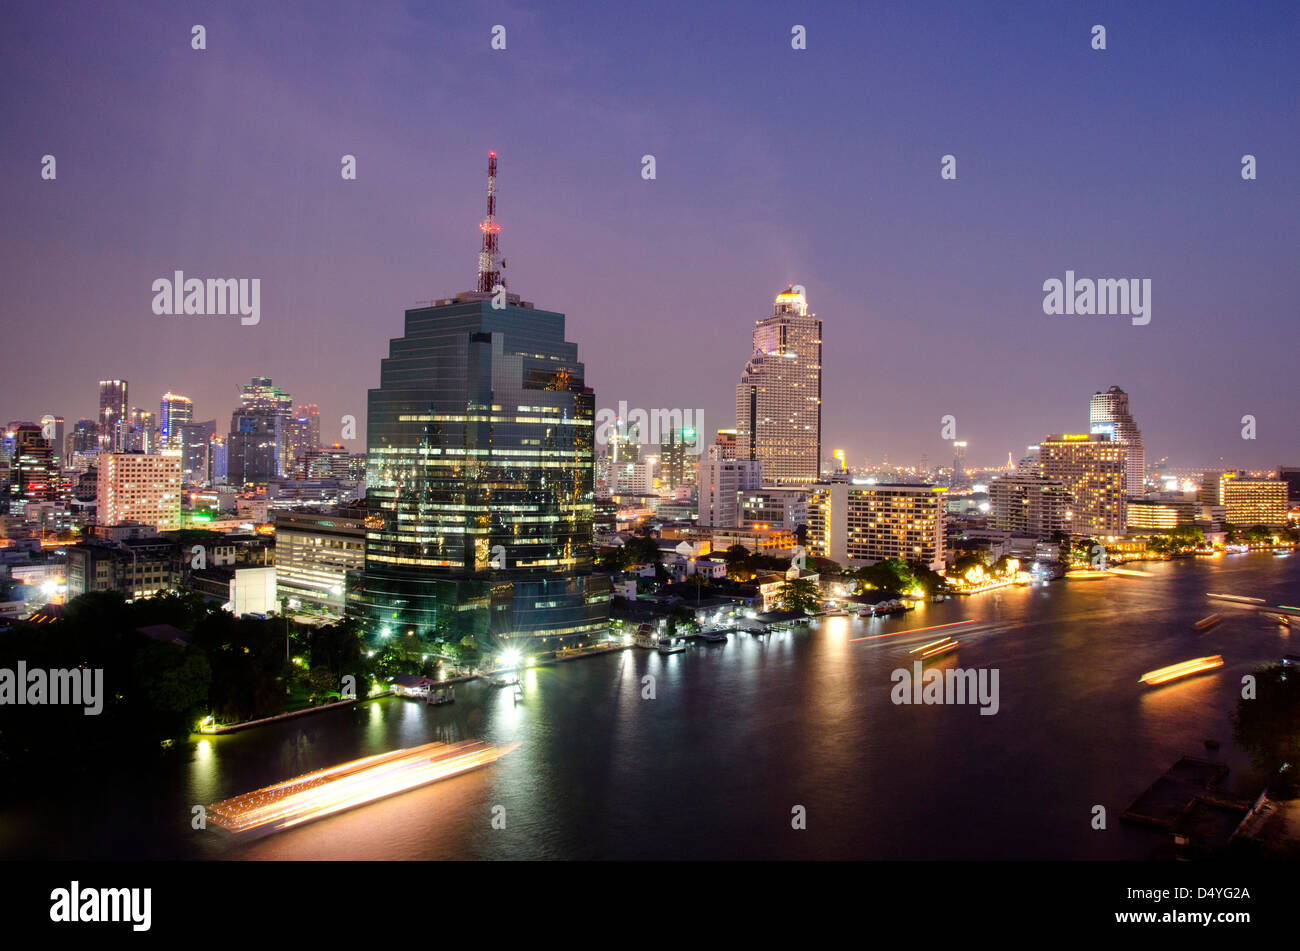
[480,469]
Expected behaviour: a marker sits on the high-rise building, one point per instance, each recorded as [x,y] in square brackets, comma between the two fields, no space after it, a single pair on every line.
[195,443]
[779,397]
[33,468]
[174,411]
[311,413]
[724,445]
[858,524]
[1093,469]
[1029,505]
[677,456]
[52,430]
[722,483]
[261,434]
[481,465]
[142,488]
[1108,413]
[113,409]
[1246,502]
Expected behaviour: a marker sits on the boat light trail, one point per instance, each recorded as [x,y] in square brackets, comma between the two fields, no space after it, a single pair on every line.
[1185,669]
[935,648]
[1234,597]
[348,785]
[915,630]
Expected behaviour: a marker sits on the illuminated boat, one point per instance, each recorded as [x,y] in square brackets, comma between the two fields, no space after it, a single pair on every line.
[505,680]
[348,785]
[1236,549]
[714,637]
[670,645]
[1187,668]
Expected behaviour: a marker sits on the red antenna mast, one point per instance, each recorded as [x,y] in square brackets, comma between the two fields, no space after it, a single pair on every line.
[489,271]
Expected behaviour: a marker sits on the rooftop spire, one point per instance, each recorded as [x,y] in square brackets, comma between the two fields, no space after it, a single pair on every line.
[489,270]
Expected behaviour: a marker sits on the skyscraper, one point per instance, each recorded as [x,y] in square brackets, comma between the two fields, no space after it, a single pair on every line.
[260,433]
[1108,413]
[481,465]
[113,408]
[174,411]
[779,397]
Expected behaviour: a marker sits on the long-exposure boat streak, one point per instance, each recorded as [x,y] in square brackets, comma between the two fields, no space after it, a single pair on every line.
[348,785]
[1174,671]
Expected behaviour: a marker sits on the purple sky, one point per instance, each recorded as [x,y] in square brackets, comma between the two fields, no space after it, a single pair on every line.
[819,167]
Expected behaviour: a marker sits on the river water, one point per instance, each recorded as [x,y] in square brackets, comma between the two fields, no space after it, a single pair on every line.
[740,734]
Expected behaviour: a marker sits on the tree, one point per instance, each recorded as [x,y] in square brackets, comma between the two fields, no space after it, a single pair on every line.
[800,594]
[1268,726]
[641,549]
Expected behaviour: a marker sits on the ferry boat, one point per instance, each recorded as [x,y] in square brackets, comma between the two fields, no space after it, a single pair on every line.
[1236,549]
[670,645]
[505,680]
[1205,623]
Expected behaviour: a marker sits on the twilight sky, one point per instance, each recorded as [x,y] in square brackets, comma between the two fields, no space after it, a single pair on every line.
[818,167]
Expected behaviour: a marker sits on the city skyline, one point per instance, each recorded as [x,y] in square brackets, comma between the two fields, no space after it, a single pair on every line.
[582,227]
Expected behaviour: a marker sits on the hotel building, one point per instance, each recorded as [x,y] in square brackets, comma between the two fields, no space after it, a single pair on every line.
[858,524]
[779,397]
[1093,469]
[135,487]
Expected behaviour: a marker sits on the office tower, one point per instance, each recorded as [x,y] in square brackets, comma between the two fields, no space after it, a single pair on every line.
[33,467]
[958,463]
[52,430]
[311,413]
[174,411]
[141,488]
[721,484]
[253,447]
[857,524]
[1093,468]
[724,445]
[195,442]
[1156,516]
[771,506]
[219,459]
[314,553]
[1108,413]
[481,443]
[84,436]
[676,455]
[142,434]
[1029,505]
[779,397]
[332,462]
[112,410]
[261,434]
[297,443]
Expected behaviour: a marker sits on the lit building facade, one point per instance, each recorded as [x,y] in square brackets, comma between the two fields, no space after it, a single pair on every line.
[1094,470]
[141,488]
[1108,414]
[1030,506]
[174,411]
[779,397]
[858,524]
[313,555]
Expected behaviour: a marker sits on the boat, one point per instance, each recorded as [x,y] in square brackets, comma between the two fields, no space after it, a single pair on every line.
[1282,619]
[1236,549]
[670,645]
[439,697]
[1205,623]
[1281,552]
[714,637]
[505,680]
